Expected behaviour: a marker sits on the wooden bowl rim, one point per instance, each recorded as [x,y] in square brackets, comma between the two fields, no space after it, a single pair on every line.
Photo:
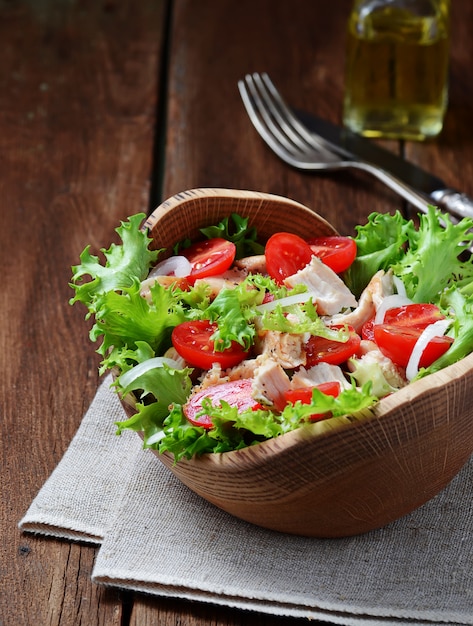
[217,193]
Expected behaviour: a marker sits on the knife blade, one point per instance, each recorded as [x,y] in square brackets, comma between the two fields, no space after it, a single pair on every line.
[349,145]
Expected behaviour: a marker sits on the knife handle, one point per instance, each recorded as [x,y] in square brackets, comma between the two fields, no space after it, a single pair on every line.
[454,202]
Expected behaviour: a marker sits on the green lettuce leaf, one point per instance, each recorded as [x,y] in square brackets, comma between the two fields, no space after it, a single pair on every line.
[453,300]
[125,318]
[123,263]
[380,243]
[303,318]
[433,258]
[427,259]
[234,310]
[164,384]
[235,228]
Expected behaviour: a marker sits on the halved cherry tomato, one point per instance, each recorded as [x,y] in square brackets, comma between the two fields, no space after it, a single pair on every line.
[336,252]
[409,315]
[236,393]
[367,330]
[304,394]
[209,257]
[285,255]
[192,341]
[397,342]
[320,349]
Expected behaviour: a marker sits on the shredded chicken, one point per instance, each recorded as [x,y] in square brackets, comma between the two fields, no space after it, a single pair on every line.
[214,376]
[245,369]
[329,291]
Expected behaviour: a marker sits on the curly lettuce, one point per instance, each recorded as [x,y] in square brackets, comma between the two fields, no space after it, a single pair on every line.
[380,243]
[135,332]
[433,259]
[124,263]
[427,259]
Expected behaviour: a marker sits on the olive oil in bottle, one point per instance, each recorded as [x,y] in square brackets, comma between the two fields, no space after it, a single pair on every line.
[397,68]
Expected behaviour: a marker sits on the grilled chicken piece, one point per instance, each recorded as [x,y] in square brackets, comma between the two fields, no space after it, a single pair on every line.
[215,376]
[253,264]
[378,288]
[245,369]
[270,383]
[228,280]
[394,376]
[329,291]
[287,349]
[320,373]
[165,281]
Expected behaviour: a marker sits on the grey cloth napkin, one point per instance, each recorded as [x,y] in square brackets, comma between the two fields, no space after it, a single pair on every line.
[158,537]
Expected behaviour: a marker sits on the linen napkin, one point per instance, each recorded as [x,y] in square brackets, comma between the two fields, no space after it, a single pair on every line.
[158,537]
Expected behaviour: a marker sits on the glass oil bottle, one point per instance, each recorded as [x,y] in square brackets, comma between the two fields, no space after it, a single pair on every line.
[396,82]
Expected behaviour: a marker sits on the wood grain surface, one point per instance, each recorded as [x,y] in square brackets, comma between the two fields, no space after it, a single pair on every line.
[107,107]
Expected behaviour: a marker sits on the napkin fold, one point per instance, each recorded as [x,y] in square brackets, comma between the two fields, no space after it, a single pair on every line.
[158,537]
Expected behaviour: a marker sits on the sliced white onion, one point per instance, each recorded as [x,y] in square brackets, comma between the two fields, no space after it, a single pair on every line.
[177,266]
[129,377]
[437,329]
[287,301]
[400,287]
[160,434]
[390,302]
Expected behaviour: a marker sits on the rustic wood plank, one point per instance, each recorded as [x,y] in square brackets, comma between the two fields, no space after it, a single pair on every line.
[168,612]
[210,140]
[77,117]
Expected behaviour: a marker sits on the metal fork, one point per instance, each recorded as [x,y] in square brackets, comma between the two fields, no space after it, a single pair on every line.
[297,145]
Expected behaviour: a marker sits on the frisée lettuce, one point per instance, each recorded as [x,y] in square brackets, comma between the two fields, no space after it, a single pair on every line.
[135,331]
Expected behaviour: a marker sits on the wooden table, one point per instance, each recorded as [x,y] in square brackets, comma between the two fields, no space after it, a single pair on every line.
[105,109]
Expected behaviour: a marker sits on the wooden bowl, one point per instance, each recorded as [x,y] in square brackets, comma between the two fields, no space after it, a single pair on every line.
[342,476]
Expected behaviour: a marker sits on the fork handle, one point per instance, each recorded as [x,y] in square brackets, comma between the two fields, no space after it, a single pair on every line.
[408,193]
[454,202]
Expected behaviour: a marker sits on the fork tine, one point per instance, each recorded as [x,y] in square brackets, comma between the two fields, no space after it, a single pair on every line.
[279,128]
[262,120]
[269,110]
[288,120]
[287,126]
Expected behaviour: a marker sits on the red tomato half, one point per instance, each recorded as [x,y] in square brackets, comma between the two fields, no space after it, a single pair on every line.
[192,341]
[320,349]
[210,257]
[409,315]
[236,393]
[397,343]
[336,252]
[285,255]
[304,395]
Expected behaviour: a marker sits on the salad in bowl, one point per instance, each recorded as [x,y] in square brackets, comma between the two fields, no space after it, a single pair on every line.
[238,330]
